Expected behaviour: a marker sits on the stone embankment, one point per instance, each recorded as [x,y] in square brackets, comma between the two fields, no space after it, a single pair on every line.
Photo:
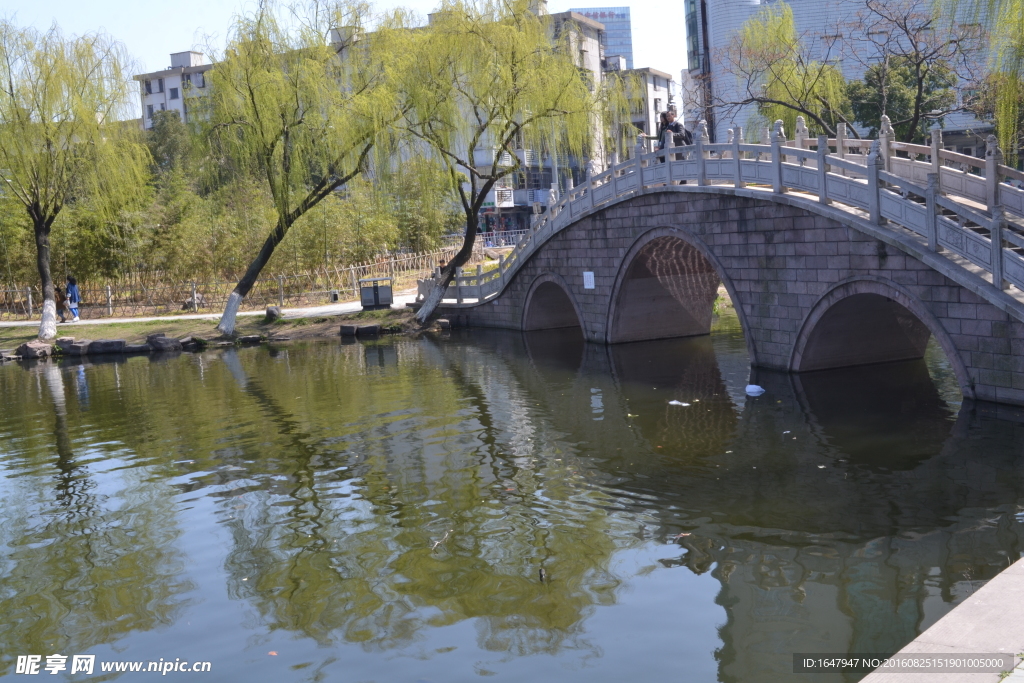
[72,347]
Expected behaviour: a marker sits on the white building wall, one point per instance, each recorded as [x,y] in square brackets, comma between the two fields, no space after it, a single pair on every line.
[813,19]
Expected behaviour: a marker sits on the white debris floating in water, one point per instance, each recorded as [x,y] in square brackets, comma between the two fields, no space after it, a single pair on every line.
[754,390]
[678,403]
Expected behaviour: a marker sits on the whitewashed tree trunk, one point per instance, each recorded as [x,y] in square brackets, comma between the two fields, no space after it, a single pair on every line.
[227,321]
[432,299]
[48,325]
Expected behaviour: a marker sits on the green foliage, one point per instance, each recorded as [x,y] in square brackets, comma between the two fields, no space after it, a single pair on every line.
[1005,22]
[772,66]
[489,77]
[891,88]
[62,142]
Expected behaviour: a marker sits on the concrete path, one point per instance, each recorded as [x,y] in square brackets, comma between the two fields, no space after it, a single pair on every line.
[401,299]
[990,621]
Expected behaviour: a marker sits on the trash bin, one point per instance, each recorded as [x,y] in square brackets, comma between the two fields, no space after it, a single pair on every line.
[376,293]
[334,296]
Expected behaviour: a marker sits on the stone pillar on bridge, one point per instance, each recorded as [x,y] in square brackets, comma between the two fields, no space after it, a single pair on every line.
[778,140]
[885,137]
[936,141]
[993,159]
[801,134]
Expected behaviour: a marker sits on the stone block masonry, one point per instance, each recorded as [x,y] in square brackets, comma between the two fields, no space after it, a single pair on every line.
[785,267]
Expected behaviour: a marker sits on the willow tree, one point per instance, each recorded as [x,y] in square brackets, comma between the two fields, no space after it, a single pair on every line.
[485,79]
[299,101]
[1005,22]
[62,138]
[783,75]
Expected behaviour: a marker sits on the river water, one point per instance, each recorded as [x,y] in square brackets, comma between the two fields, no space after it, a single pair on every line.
[384,511]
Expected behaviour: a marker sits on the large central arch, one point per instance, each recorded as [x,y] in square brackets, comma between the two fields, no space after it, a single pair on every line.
[666,287]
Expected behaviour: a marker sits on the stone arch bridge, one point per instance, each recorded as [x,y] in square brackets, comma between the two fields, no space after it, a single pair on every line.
[835,253]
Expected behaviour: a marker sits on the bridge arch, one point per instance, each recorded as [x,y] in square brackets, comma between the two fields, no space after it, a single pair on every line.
[868,319]
[550,305]
[666,287]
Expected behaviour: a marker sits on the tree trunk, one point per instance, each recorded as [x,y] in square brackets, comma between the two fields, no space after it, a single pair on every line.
[227,320]
[433,298]
[41,227]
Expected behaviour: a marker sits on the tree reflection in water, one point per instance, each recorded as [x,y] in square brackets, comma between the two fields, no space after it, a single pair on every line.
[373,494]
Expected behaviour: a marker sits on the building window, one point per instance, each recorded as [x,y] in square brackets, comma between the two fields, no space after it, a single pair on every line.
[163,107]
[149,109]
[149,87]
[174,93]
[159,85]
[201,79]
[657,105]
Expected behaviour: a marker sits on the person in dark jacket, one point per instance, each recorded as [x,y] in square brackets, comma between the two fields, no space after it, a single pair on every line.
[73,298]
[680,136]
[61,300]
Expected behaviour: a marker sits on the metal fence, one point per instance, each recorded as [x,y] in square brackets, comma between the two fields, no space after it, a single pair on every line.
[321,286]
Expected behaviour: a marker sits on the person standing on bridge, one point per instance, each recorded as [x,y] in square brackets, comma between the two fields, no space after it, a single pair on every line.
[680,136]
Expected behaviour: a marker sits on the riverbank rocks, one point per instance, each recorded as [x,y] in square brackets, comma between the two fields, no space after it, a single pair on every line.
[249,339]
[105,346]
[33,349]
[368,331]
[79,348]
[273,314]
[137,348]
[349,330]
[161,342]
[64,343]
[444,324]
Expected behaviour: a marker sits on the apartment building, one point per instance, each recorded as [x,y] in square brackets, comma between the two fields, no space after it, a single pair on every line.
[165,90]
[711,25]
[618,30]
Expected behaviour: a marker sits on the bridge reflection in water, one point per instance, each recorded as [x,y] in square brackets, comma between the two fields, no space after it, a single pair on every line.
[360,502]
[843,511]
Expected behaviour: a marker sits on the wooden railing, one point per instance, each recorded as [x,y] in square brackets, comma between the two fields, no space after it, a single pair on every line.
[947,201]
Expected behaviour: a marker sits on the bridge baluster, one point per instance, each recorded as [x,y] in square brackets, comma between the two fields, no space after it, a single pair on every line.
[874,199]
[778,137]
[936,142]
[996,236]
[885,138]
[738,156]
[993,158]
[823,169]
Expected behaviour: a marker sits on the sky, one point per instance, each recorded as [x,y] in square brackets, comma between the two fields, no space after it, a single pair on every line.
[153,30]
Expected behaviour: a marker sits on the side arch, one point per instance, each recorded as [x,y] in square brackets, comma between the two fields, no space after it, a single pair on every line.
[856,323]
[550,305]
[697,244]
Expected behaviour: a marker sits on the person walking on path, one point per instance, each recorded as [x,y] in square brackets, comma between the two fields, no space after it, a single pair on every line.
[61,300]
[73,298]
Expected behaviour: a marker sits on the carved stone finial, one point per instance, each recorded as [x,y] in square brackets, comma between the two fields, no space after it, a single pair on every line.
[992,148]
[702,131]
[886,128]
[875,154]
[731,134]
[779,133]
[801,126]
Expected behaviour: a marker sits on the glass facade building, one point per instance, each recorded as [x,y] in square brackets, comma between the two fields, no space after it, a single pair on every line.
[618,31]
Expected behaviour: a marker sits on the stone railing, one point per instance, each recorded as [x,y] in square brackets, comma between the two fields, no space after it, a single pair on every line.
[947,201]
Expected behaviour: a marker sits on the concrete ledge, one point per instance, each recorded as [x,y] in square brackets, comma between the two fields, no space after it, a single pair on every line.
[991,620]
